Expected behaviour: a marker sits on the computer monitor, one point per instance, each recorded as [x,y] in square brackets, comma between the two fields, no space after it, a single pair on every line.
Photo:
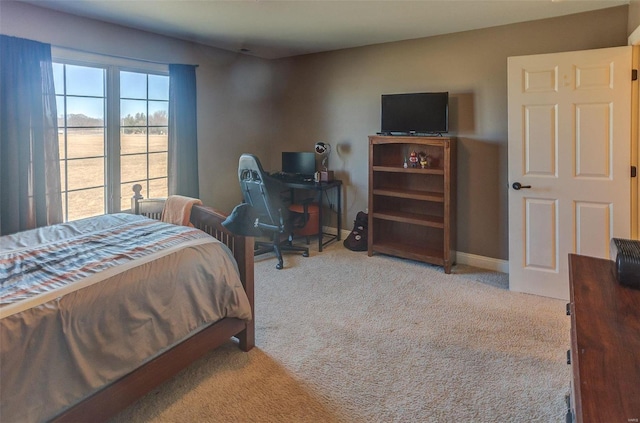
[300,163]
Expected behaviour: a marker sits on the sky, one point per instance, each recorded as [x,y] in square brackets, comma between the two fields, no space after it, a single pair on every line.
[89,84]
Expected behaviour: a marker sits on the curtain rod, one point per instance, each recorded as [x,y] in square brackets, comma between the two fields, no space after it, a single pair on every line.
[119,57]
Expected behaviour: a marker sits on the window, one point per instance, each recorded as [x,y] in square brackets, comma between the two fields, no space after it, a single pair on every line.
[80,95]
[144,134]
[112,131]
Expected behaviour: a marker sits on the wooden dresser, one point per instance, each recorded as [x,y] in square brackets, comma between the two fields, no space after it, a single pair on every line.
[605,344]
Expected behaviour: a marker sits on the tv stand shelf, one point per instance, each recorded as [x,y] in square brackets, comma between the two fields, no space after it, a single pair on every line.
[412,209]
[410,193]
[398,169]
[411,252]
[413,218]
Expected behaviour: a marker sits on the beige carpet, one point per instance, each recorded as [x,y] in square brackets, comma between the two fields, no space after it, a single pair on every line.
[342,337]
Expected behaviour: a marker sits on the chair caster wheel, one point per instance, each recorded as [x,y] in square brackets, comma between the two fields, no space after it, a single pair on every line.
[305,254]
[279,266]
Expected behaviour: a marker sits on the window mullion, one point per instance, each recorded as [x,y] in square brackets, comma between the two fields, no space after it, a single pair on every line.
[66,148]
[112,164]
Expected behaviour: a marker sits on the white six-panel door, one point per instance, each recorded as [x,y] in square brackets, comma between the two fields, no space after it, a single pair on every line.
[569,141]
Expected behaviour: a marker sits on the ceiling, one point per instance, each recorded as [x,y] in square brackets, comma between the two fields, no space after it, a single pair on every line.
[273,28]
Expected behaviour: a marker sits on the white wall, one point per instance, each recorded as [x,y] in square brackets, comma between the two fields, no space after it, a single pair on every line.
[235,92]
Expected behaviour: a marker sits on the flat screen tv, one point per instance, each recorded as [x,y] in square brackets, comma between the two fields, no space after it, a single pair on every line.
[420,113]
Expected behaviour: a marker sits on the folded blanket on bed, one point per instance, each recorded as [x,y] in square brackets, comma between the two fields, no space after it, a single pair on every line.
[177,209]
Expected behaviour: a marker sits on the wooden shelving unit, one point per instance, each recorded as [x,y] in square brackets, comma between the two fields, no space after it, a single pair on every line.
[412,209]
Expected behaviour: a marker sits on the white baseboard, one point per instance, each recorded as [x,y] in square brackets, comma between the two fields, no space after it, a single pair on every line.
[482,262]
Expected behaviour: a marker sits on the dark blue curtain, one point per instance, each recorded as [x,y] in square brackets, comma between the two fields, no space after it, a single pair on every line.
[183,134]
[30,193]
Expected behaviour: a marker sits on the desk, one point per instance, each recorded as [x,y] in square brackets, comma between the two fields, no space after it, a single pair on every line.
[320,188]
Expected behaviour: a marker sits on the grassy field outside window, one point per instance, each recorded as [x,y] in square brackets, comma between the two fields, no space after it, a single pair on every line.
[102,155]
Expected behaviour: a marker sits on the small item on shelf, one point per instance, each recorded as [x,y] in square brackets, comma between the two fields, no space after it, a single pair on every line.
[405,165]
[413,158]
[425,159]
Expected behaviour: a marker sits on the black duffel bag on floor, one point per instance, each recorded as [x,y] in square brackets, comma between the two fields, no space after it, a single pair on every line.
[357,239]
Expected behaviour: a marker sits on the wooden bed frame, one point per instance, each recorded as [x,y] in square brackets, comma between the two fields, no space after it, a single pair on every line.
[118,395]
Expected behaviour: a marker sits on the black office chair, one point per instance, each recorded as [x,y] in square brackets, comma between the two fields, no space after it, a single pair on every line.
[263,193]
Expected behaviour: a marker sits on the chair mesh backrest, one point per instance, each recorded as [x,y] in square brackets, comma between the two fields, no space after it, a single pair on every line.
[261,191]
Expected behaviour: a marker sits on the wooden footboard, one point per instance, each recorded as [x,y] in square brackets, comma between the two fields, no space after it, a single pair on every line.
[210,221]
[115,397]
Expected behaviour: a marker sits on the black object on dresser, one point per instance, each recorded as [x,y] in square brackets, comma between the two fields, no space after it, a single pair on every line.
[626,255]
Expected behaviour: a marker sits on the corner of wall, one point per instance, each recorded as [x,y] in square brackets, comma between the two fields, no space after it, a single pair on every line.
[633,26]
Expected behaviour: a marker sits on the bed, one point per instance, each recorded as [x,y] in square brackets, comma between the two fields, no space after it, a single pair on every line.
[81,345]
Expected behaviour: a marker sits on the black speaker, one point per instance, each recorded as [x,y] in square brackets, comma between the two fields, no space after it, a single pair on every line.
[626,255]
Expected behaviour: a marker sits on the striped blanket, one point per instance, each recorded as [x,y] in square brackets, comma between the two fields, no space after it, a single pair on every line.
[51,267]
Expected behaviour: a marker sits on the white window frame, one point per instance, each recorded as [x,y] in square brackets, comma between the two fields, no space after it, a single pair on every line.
[113,65]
